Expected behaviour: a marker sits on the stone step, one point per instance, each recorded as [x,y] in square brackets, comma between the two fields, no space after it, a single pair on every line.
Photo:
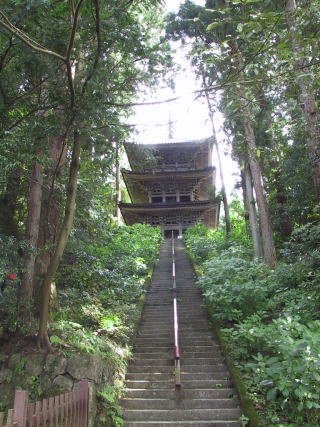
[149,376]
[159,326]
[200,354]
[181,414]
[183,341]
[169,334]
[184,368]
[195,384]
[169,309]
[154,355]
[154,348]
[184,355]
[201,423]
[184,332]
[185,375]
[215,384]
[181,393]
[136,403]
[207,396]
[160,317]
[163,384]
[184,361]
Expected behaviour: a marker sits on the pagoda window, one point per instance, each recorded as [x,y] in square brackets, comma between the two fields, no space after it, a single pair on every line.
[170,188]
[156,199]
[171,199]
[155,188]
[189,219]
[196,194]
[154,220]
[185,198]
[171,220]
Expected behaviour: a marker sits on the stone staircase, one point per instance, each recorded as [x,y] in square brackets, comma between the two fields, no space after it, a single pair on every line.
[206,396]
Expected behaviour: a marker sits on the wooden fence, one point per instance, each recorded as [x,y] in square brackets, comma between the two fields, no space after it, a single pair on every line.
[64,410]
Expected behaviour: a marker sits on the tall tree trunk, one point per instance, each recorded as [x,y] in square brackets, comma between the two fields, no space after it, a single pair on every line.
[118,192]
[269,252]
[8,205]
[307,97]
[282,205]
[50,207]
[215,143]
[43,339]
[32,233]
[245,198]
[253,217]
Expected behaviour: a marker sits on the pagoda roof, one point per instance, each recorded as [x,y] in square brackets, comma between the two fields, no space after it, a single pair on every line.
[173,144]
[140,155]
[129,209]
[136,182]
[150,207]
[165,175]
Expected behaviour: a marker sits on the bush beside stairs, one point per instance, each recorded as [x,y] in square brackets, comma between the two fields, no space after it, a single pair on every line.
[206,396]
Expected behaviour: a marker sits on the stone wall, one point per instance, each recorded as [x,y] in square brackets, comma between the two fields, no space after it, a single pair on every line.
[47,375]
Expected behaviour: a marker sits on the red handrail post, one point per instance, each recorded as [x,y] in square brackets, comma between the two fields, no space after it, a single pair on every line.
[175,319]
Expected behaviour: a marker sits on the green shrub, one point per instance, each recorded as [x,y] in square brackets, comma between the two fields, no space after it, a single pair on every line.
[99,285]
[12,258]
[269,318]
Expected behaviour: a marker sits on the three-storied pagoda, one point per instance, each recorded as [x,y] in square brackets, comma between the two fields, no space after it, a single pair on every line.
[169,186]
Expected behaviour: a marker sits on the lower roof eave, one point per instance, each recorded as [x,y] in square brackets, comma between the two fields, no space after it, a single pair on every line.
[156,207]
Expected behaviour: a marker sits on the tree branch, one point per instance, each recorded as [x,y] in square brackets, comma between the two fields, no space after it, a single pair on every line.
[26,39]
[98,51]
[4,55]
[17,122]
[68,54]
[73,31]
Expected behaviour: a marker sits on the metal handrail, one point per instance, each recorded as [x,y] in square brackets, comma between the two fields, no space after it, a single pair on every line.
[175,319]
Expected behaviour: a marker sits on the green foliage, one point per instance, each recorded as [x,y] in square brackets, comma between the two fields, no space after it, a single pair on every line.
[44,102]
[270,320]
[249,49]
[35,388]
[205,244]
[99,285]
[12,255]
[20,368]
[236,287]
[115,265]
[244,420]
[111,413]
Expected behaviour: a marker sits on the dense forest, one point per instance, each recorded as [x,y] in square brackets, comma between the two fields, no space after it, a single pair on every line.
[71,276]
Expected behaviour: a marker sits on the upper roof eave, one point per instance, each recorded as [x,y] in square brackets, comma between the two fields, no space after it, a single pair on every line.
[173,143]
[174,173]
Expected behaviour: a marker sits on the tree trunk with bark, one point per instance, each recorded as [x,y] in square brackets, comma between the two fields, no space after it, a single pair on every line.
[118,191]
[253,216]
[269,251]
[50,207]
[307,96]
[32,233]
[43,339]
[8,205]
[215,143]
